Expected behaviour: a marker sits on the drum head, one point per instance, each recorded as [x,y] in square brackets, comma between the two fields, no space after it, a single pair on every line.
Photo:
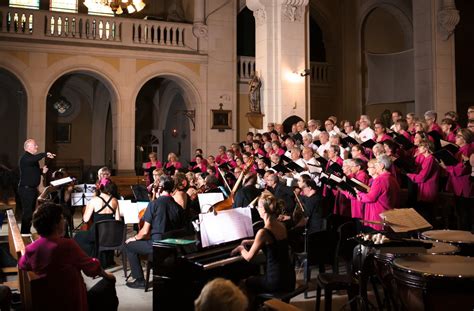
[437,266]
[449,236]
[441,248]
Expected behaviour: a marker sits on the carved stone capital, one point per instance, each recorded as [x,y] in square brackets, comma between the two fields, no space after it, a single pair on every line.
[291,13]
[448,18]
[200,30]
[260,17]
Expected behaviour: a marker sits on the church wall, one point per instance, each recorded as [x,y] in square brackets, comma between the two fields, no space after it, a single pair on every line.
[382,33]
[221,74]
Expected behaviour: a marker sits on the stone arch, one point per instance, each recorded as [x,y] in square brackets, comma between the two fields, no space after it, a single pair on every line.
[396,8]
[192,85]
[13,117]
[401,12]
[289,122]
[323,19]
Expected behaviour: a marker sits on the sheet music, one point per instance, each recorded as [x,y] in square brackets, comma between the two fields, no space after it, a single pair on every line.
[81,198]
[89,188]
[61,181]
[206,200]
[404,220]
[130,210]
[226,226]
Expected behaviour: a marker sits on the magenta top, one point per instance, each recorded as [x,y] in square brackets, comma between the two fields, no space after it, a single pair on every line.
[427,179]
[436,127]
[384,137]
[451,137]
[458,175]
[383,195]
[60,261]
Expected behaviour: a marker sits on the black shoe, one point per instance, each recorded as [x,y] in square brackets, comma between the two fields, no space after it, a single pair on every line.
[136,284]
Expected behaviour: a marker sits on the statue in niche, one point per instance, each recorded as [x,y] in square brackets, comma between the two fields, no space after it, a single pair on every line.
[254,94]
[175,11]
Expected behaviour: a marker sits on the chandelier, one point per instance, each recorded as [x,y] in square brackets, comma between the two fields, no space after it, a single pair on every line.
[117,6]
[62,105]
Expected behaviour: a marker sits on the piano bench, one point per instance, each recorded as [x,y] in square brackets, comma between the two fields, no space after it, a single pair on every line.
[283,296]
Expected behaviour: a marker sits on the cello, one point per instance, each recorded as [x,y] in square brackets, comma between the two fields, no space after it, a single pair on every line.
[227,203]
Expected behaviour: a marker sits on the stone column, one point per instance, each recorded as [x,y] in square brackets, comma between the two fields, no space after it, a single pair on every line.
[435,83]
[199,25]
[280,55]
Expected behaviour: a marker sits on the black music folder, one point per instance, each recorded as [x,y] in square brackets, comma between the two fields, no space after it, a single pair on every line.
[349,142]
[192,163]
[453,148]
[170,170]
[196,170]
[335,169]
[317,142]
[280,168]
[292,166]
[404,142]
[435,135]
[322,161]
[284,158]
[445,156]
[368,143]
[357,184]
[406,165]
[225,166]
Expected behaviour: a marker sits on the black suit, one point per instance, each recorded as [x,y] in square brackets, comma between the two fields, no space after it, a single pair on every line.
[283,192]
[30,177]
[244,197]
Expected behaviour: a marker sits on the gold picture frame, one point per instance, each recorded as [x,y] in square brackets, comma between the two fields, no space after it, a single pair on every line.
[221,119]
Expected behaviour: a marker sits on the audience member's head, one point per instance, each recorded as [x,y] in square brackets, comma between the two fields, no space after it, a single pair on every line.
[220,294]
[48,219]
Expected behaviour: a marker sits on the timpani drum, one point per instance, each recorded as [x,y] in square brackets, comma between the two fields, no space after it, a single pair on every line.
[383,265]
[463,239]
[426,282]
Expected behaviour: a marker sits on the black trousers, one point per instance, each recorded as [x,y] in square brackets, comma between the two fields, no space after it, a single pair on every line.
[134,250]
[28,196]
[103,296]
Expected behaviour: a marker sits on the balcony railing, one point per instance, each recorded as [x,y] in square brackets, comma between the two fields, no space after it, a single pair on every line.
[245,68]
[126,32]
[320,73]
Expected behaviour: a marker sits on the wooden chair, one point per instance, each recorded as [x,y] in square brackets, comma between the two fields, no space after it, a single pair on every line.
[29,283]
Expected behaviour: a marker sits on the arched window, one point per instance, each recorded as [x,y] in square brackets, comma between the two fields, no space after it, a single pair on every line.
[25,4]
[69,6]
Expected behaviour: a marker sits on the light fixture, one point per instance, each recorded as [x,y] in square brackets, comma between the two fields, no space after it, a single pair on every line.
[62,105]
[305,72]
[117,6]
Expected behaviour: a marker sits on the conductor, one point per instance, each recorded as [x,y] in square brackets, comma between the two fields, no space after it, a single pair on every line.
[30,177]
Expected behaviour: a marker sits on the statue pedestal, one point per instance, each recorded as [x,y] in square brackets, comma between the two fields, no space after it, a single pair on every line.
[255,119]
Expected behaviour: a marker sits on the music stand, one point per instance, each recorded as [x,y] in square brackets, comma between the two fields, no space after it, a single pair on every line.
[140,193]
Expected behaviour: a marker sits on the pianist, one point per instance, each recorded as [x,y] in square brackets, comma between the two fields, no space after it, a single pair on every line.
[273,240]
[161,215]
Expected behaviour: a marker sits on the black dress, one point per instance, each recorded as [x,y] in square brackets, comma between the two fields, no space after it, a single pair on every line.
[280,272]
[86,239]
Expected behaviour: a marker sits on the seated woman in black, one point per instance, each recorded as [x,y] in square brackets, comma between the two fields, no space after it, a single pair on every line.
[273,240]
[101,207]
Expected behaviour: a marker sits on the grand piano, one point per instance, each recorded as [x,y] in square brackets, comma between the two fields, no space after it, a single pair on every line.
[181,268]
[181,271]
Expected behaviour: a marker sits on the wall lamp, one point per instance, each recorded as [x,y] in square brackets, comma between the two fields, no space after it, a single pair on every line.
[305,72]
